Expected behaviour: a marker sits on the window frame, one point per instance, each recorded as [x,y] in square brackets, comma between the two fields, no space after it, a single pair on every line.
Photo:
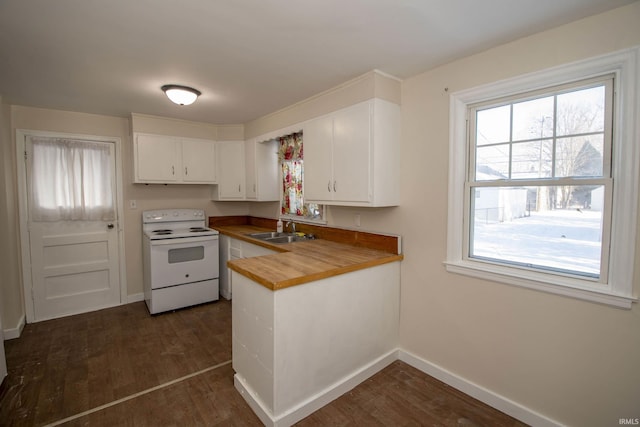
[605,180]
[288,216]
[616,284]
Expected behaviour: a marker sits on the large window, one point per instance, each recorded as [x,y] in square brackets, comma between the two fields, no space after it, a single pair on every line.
[539,179]
[543,176]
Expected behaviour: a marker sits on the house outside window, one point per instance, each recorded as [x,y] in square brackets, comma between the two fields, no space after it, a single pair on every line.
[292,204]
[542,175]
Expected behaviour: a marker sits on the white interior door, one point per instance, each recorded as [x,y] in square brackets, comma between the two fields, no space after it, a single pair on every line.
[74,262]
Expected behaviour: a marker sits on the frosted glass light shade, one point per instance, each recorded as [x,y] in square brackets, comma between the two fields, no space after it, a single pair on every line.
[181,95]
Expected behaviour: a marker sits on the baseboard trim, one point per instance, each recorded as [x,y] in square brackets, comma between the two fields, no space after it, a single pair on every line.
[315,402]
[13,333]
[135,298]
[476,391]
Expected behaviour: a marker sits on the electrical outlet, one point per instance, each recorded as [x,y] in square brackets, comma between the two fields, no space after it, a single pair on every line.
[133,204]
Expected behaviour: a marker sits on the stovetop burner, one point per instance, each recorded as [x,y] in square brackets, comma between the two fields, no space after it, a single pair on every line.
[176,224]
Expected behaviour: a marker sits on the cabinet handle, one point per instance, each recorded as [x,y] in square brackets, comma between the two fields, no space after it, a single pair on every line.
[173,170]
[334,186]
[238,188]
[186,172]
[329,186]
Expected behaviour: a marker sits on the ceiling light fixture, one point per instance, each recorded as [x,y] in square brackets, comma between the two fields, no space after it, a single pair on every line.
[181,95]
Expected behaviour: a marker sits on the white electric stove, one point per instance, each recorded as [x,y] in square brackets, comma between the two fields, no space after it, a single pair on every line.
[180,259]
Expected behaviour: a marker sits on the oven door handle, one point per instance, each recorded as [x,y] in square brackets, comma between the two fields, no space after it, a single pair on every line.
[183,240]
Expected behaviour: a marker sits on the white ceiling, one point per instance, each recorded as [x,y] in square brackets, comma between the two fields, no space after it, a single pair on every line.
[248,57]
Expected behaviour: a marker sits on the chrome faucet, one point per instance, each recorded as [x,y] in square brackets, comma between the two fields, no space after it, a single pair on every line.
[293,226]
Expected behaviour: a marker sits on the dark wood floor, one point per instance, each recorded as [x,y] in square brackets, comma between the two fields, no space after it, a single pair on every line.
[124,367]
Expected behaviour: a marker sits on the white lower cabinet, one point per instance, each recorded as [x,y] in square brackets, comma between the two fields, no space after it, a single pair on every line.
[161,159]
[231,249]
[352,156]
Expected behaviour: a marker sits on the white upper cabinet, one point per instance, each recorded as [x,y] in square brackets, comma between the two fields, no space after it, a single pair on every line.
[198,161]
[351,156]
[317,143]
[250,169]
[230,171]
[163,159]
[156,158]
[262,171]
[352,142]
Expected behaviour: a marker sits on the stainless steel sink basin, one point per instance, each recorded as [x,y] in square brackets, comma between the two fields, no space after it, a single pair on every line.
[275,237]
[268,235]
[285,239]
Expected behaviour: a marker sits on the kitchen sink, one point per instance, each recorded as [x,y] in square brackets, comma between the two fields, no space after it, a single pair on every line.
[276,237]
[269,235]
[285,239]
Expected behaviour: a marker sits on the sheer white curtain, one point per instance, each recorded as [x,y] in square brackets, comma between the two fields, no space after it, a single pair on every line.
[71,180]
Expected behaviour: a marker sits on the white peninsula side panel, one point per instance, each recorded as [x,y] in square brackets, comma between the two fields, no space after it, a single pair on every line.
[298,348]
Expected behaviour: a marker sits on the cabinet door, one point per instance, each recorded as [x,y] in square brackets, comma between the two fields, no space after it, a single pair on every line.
[351,154]
[231,170]
[317,139]
[267,171]
[198,161]
[250,168]
[156,158]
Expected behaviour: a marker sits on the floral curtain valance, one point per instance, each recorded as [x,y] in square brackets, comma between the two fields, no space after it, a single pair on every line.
[291,147]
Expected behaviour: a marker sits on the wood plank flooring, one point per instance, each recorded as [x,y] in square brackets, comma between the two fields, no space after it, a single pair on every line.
[174,369]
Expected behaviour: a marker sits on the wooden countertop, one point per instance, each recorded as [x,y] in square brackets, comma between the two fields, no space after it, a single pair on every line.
[301,262]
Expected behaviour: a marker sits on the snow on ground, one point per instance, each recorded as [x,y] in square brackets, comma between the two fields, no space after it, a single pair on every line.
[560,239]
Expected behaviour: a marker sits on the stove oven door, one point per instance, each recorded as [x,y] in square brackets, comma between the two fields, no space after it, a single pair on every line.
[183,260]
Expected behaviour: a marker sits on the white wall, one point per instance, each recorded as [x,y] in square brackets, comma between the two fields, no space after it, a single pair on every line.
[572,361]
[10,285]
[9,270]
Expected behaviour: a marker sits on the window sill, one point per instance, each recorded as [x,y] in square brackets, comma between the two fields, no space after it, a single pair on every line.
[557,285]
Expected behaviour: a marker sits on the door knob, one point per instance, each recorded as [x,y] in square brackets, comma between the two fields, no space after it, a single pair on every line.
[110,226]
